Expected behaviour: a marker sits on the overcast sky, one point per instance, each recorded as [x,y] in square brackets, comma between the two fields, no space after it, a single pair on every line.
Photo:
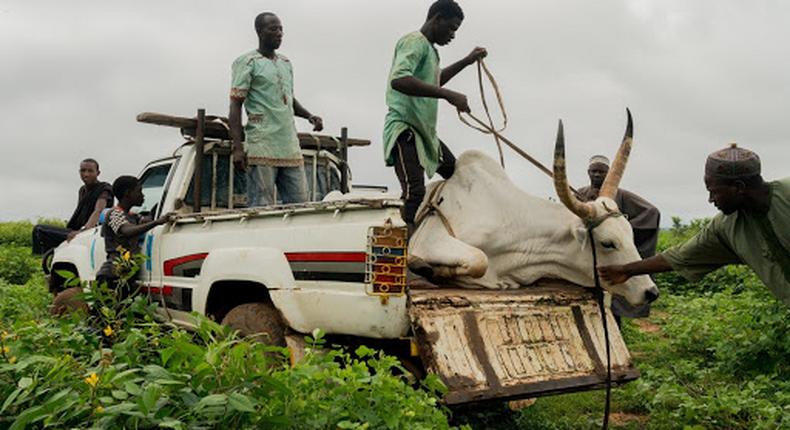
[696,75]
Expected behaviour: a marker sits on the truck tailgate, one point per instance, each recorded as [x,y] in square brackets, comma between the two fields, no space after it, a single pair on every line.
[500,344]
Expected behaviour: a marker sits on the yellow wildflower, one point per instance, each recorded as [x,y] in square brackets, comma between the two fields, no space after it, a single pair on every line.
[127,256]
[6,349]
[4,335]
[108,331]
[12,360]
[99,409]
[92,380]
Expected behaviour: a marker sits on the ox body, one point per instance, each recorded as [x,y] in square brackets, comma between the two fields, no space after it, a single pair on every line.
[479,230]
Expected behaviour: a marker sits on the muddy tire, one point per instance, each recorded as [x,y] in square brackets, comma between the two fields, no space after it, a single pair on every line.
[67,302]
[260,320]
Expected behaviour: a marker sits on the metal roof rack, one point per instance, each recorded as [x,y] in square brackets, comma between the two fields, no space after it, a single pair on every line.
[204,127]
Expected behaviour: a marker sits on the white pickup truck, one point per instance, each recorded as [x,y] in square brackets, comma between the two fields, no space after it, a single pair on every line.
[338,263]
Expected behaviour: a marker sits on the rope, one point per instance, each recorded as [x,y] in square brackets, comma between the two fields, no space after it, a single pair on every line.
[489,128]
[599,292]
[432,208]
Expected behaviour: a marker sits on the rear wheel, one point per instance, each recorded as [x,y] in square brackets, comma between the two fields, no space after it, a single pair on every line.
[260,320]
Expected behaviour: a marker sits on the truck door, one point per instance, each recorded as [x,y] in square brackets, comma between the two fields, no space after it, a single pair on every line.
[155,180]
[509,344]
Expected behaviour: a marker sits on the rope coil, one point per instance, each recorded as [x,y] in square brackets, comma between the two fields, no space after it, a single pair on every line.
[490,129]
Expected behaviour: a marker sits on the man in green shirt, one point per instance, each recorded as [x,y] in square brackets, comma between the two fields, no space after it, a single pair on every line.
[262,81]
[753,228]
[414,87]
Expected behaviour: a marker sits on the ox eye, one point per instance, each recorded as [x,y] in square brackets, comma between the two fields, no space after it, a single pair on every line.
[608,245]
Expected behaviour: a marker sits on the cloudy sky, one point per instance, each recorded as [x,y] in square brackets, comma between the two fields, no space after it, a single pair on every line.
[696,76]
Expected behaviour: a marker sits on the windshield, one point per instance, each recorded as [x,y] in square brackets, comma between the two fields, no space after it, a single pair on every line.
[153,181]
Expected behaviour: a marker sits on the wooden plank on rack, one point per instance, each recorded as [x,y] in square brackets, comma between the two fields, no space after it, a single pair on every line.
[216,128]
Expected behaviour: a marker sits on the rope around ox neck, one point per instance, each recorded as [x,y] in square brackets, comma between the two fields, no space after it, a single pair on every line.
[431,207]
[599,292]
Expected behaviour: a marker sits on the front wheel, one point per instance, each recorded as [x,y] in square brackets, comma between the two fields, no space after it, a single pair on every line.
[46,261]
[260,320]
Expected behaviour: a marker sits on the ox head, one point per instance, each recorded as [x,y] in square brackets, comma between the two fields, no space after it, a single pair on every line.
[612,234]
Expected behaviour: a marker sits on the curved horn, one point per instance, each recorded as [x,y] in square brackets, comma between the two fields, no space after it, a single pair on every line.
[583,210]
[612,181]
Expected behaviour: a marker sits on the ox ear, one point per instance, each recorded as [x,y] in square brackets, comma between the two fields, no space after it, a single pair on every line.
[579,232]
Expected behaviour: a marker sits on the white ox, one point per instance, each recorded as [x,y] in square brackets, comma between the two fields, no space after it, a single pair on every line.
[488,233]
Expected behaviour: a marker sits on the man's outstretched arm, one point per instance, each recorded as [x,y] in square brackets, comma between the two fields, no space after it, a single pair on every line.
[131,230]
[101,204]
[414,87]
[618,274]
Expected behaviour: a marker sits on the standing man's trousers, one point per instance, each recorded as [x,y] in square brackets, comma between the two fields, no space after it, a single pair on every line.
[411,174]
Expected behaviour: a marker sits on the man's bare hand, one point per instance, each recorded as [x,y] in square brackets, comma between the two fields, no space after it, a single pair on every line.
[166,218]
[477,54]
[239,159]
[613,275]
[72,234]
[458,100]
[317,122]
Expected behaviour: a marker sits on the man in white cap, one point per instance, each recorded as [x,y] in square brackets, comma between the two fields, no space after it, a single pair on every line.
[644,219]
[753,228]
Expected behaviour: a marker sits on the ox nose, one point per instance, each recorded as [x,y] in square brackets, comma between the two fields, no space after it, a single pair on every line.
[651,295]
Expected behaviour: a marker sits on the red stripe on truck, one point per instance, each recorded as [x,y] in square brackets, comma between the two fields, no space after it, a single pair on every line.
[328,257]
[165,290]
[170,265]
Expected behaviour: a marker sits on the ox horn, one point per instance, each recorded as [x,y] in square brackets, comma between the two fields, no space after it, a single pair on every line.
[612,181]
[583,210]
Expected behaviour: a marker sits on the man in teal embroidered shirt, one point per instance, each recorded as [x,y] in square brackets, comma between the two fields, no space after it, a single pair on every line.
[753,228]
[414,87]
[262,81]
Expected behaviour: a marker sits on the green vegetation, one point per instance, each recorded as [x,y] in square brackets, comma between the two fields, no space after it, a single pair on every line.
[713,355]
[19,233]
[16,264]
[119,368]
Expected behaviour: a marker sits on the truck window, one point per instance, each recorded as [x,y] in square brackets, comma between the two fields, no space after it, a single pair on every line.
[322,173]
[215,184]
[153,181]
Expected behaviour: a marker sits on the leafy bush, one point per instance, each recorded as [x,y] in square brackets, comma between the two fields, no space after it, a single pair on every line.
[679,232]
[718,360]
[20,233]
[16,264]
[16,233]
[739,335]
[23,302]
[120,368]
